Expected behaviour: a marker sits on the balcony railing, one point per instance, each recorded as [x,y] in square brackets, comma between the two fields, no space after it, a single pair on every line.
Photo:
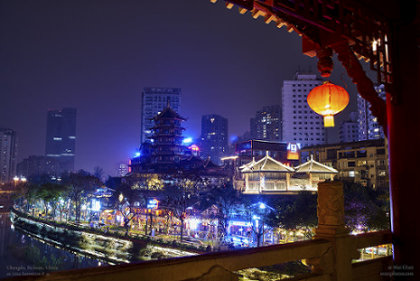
[330,254]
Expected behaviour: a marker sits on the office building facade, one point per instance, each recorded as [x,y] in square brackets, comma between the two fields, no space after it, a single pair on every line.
[214,137]
[266,125]
[300,123]
[154,100]
[349,129]
[8,153]
[39,165]
[61,137]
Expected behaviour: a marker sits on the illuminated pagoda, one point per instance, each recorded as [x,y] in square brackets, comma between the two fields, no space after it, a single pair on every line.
[165,149]
[167,137]
[166,158]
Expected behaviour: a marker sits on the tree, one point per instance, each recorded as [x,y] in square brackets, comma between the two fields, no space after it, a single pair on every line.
[178,197]
[295,212]
[50,193]
[258,215]
[98,172]
[365,208]
[226,199]
[125,197]
[80,184]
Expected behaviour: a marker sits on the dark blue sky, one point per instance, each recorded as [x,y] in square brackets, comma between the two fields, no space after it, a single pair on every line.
[98,55]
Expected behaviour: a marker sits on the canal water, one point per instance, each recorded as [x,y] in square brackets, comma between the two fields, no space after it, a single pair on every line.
[21,255]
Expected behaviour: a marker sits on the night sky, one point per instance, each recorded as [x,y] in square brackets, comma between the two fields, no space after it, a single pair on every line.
[97,56]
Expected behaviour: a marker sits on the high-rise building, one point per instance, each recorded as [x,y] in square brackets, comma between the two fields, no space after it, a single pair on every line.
[61,136]
[266,125]
[39,165]
[214,137]
[369,127]
[349,129]
[8,152]
[154,100]
[300,123]
[122,169]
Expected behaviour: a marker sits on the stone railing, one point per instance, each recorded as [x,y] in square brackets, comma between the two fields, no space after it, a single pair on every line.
[330,255]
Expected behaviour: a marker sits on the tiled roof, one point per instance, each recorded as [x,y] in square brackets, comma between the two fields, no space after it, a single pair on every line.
[313,166]
[266,164]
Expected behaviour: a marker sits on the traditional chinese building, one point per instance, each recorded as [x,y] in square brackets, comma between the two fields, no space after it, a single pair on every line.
[269,176]
[165,159]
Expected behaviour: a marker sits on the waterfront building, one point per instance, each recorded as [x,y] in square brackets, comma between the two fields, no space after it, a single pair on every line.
[8,154]
[61,137]
[153,101]
[301,124]
[214,137]
[266,125]
[369,127]
[364,162]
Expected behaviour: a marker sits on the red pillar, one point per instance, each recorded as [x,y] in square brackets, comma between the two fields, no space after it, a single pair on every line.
[403,110]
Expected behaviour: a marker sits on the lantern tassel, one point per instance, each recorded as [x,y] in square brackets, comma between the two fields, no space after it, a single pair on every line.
[328,121]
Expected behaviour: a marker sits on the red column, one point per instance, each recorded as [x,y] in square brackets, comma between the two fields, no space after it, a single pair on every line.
[403,110]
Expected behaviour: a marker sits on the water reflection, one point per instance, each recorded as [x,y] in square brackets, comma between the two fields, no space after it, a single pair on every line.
[22,255]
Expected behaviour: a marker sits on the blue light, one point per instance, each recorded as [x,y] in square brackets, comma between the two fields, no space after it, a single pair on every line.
[138,154]
[96,205]
[187,140]
[262,206]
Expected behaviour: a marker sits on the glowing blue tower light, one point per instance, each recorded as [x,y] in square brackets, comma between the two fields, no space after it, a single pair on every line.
[187,140]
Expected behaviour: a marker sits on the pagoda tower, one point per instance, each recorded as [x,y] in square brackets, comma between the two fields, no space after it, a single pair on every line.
[167,138]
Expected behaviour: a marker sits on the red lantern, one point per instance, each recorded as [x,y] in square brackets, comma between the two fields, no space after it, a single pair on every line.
[328,100]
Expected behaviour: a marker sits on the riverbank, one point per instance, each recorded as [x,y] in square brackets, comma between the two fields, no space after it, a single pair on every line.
[111,247]
[23,254]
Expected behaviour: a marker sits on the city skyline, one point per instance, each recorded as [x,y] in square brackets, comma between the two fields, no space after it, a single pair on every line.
[103,77]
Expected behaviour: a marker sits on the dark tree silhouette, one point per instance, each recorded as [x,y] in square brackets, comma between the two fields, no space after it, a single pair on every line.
[226,199]
[80,184]
[178,197]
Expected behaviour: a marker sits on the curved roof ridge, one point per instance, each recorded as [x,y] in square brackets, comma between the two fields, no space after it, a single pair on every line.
[311,164]
[291,169]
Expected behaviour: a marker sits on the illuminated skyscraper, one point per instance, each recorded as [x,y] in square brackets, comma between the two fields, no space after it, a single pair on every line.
[154,100]
[267,124]
[8,151]
[369,128]
[214,137]
[61,136]
[299,123]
